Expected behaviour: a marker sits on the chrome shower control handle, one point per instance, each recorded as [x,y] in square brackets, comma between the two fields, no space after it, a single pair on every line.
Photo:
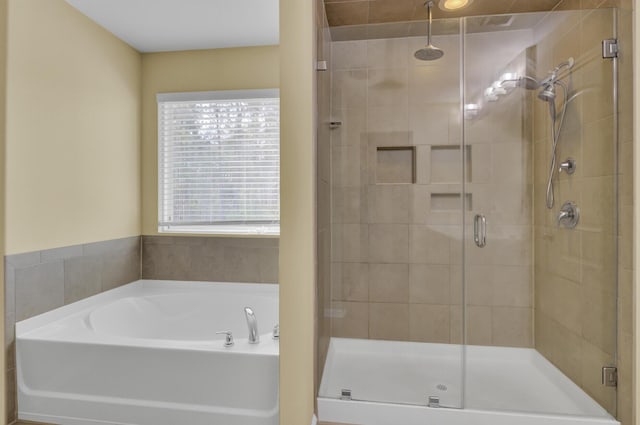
[569,215]
[228,339]
[568,166]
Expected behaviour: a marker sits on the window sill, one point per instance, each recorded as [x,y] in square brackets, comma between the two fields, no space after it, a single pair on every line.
[222,231]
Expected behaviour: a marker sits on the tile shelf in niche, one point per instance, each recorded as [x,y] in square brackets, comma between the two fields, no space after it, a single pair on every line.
[395,165]
[447,202]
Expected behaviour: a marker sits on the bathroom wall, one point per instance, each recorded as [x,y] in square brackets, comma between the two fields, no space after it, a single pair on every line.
[298,32]
[199,70]
[396,184]
[73,130]
[575,269]
[323,190]
[3,104]
[72,163]
[201,257]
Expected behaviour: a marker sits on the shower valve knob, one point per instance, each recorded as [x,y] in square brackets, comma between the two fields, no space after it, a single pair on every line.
[568,166]
[569,215]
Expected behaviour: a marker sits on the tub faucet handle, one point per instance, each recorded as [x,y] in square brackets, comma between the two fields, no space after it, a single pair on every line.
[228,339]
[276,332]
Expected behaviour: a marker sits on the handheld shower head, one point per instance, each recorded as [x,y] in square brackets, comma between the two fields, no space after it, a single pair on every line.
[548,93]
[566,64]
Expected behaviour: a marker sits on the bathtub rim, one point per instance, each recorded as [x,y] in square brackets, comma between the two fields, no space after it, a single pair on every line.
[31,328]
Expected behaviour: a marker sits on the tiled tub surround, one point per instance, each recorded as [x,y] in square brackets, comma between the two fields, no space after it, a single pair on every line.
[147,353]
[40,281]
[210,259]
[396,247]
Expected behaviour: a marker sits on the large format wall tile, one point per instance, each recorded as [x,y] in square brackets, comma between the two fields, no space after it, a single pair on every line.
[397,245]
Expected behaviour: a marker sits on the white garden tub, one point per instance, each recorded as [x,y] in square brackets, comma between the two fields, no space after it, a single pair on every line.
[147,353]
[391,382]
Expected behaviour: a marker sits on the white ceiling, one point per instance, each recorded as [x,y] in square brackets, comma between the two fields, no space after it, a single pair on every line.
[169,25]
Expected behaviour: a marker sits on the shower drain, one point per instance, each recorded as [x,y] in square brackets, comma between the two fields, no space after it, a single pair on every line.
[441,387]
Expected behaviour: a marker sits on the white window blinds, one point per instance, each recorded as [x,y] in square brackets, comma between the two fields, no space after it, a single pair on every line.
[219,162]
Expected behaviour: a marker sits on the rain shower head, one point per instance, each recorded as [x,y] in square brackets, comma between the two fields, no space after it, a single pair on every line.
[429,52]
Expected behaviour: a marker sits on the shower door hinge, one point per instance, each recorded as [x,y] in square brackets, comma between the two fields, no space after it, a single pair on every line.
[610,376]
[610,48]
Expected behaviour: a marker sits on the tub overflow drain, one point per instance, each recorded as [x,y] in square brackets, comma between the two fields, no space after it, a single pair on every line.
[441,387]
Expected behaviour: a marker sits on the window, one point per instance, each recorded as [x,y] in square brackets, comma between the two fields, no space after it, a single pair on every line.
[219,162]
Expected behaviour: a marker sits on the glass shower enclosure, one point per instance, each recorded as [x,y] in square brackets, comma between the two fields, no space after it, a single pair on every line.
[474,215]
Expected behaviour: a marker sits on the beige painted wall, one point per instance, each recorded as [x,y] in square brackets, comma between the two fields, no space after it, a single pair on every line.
[199,70]
[297,211]
[636,220]
[3,96]
[73,118]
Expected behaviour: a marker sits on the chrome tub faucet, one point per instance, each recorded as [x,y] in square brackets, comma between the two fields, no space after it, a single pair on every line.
[252,323]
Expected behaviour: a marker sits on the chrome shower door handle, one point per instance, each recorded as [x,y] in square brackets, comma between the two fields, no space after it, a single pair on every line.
[480,230]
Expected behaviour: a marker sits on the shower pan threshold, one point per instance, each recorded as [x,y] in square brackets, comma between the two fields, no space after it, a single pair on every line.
[390,382]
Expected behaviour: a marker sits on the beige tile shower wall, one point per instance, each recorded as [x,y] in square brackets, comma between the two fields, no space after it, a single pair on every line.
[575,275]
[625,394]
[396,247]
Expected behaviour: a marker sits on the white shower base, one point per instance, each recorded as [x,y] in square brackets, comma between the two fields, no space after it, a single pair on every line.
[391,381]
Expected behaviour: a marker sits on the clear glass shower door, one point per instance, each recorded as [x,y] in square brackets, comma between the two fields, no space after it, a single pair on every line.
[535,84]
[396,308]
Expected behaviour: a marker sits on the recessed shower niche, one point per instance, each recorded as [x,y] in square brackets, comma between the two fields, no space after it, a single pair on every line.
[446,164]
[396,164]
